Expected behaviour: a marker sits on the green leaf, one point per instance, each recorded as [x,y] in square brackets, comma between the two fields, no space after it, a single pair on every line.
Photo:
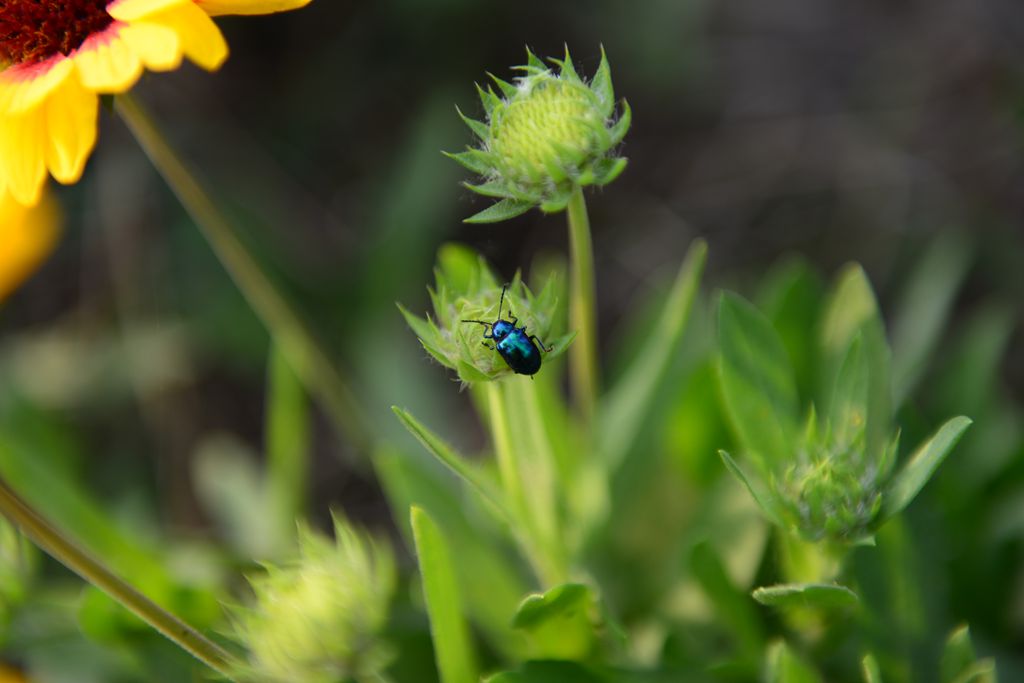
[507,89]
[629,401]
[848,409]
[453,650]
[869,669]
[618,131]
[479,128]
[602,86]
[503,210]
[760,497]
[491,587]
[851,312]
[491,189]
[488,99]
[919,469]
[453,461]
[828,596]
[958,654]
[785,667]
[757,382]
[560,622]
[475,160]
[924,309]
[607,170]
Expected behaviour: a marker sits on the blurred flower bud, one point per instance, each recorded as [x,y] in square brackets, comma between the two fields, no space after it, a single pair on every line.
[318,620]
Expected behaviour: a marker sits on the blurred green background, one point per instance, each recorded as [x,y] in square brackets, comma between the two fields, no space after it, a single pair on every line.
[887,132]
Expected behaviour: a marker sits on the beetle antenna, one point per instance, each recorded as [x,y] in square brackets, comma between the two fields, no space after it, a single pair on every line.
[502,302]
[477,321]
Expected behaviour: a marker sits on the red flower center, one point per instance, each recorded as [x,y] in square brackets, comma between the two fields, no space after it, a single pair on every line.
[34,30]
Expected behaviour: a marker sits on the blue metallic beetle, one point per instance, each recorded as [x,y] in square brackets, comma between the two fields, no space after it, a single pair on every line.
[512,343]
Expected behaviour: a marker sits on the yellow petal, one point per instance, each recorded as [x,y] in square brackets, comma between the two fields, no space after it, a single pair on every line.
[23,154]
[25,86]
[130,10]
[157,46]
[201,40]
[106,63]
[71,114]
[27,236]
[218,7]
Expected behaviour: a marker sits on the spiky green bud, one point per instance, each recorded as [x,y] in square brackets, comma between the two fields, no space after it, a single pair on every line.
[547,134]
[319,618]
[466,289]
[832,490]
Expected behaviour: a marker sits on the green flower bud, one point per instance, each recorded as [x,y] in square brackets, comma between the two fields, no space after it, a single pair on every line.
[466,289]
[319,619]
[549,134]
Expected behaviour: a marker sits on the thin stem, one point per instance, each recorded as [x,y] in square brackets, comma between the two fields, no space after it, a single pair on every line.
[544,467]
[43,534]
[307,355]
[512,483]
[582,308]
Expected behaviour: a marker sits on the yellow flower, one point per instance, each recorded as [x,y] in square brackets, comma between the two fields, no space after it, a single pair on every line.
[27,236]
[58,56]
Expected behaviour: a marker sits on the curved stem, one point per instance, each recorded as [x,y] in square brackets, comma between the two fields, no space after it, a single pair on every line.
[582,308]
[307,355]
[43,534]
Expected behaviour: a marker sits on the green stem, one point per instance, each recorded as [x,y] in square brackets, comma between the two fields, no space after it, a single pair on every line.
[544,466]
[582,308]
[43,534]
[307,355]
[512,482]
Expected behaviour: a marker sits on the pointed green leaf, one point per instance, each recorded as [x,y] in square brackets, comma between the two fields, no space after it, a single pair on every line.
[533,61]
[848,409]
[785,667]
[621,127]
[607,170]
[479,128]
[452,460]
[491,189]
[488,99]
[475,160]
[869,669]
[567,70]
[507,89]
[958,654]
[602,86]
[814,595]
[760,497]
[453,649]
[924,308]
[919,469]
[503,210]
[629,401]
[852,311]
[757,382]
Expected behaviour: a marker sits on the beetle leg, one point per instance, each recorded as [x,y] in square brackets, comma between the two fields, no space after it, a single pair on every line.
[488,345]
[533,337]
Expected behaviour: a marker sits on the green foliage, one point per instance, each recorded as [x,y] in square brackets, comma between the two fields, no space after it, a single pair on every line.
[456,661]
[833,483]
